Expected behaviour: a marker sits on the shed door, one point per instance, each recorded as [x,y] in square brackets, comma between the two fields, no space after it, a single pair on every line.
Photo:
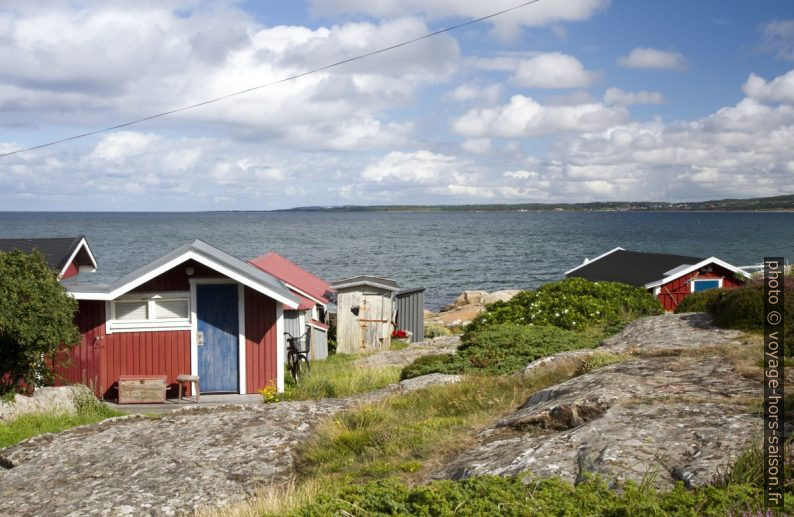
[218,337]
[372,321]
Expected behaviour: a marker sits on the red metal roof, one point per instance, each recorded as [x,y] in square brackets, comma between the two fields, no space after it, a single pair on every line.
[305,303]
[293,275]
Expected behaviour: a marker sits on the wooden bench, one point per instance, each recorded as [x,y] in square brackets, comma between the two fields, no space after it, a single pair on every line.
[142,389]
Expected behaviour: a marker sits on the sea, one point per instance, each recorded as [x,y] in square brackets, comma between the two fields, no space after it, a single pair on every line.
[444,252]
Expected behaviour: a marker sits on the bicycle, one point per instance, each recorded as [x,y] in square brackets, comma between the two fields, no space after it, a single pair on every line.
[297,358]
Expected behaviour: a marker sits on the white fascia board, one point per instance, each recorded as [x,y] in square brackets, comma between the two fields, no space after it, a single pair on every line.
[695,267]
[305,294]
[82,244]
[188,255]
[597,258]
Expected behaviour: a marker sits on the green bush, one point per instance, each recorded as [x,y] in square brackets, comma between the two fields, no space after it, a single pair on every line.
[743,308]
[36,318]
[437,363]
[500,349]
[700,302]
[492,495]
[571,304]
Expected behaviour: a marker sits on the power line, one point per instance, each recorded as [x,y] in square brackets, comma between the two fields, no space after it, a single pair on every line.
[279,81]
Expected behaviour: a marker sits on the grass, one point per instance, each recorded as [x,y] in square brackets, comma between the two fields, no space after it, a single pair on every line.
[404,436]
[339,376]
[33,424]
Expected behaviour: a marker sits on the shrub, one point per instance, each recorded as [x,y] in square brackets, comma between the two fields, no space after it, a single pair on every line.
[571,304]
[500,349]
[700,302]
[743,309]
[492,495]
[36,317]
[437,363]
[433,330]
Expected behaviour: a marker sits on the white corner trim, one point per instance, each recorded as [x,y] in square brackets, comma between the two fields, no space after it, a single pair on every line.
[695,267]
[82,244]
[586,262]
[280,347]
[241,331]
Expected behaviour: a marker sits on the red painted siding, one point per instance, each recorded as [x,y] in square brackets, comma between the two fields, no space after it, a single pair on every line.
[100,358]
[81,363]
[71,270]
[260,341]
[146,353]
[176,279]
[673,292]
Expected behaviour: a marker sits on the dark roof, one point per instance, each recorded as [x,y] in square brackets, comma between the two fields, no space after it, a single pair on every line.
[56,251]
[409,291]
[374,281]
[630,267]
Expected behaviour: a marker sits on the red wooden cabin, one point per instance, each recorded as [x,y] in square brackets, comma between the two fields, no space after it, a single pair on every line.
[197,310]
[670,278]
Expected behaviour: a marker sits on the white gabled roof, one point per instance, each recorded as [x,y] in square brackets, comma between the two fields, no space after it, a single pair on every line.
[685,270]
[83,244]
[201,252]
[587,261]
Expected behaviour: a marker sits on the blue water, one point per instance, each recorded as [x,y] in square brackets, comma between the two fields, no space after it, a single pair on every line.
[445,252]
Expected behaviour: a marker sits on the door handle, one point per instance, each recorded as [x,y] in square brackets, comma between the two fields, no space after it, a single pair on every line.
[199,338]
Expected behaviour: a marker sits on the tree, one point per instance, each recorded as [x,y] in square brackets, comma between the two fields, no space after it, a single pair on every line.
[36,318]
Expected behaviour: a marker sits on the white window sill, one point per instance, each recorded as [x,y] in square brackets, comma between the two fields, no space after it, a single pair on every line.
[152,326]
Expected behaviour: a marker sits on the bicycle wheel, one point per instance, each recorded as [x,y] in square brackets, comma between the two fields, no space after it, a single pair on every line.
[300,367]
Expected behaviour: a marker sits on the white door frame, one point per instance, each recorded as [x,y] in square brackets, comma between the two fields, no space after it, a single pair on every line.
[241,378]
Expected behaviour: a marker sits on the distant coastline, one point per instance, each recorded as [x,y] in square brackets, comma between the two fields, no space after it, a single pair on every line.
[783,203]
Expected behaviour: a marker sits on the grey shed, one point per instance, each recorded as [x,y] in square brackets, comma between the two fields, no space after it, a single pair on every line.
[365,312]
[411,312]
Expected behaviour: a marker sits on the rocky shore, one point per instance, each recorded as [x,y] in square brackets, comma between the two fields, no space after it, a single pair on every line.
[677,406]
[466,307]
[677,409]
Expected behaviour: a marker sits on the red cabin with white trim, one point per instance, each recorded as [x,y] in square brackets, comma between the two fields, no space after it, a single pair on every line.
[670,278]
[196,310]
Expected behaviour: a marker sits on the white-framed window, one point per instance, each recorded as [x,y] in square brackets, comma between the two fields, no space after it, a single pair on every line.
[150,311]
[704,284]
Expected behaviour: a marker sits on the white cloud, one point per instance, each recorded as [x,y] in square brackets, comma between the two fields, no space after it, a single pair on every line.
[778,38]
[519,175]
[470,92]
[81,65]
[780,89]
[553,70]
[653,59]
[523,117]
[477,145]
[534,15]
[414,167]
[624,98]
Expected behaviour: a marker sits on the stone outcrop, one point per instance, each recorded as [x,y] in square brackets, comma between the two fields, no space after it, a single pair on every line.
[184,460]
[62,399]
[467,306]
[669,412]
[406,356]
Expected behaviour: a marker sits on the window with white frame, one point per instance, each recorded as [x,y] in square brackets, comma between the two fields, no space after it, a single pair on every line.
[147,311]
[705,284]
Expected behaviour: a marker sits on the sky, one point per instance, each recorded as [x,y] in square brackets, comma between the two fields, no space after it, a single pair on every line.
[557,101]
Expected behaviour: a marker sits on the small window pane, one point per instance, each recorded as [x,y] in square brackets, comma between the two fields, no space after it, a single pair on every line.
[131,311]
[169,309]
[702,285]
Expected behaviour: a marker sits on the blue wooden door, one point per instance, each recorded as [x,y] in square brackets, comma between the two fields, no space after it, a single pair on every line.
[218,337]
